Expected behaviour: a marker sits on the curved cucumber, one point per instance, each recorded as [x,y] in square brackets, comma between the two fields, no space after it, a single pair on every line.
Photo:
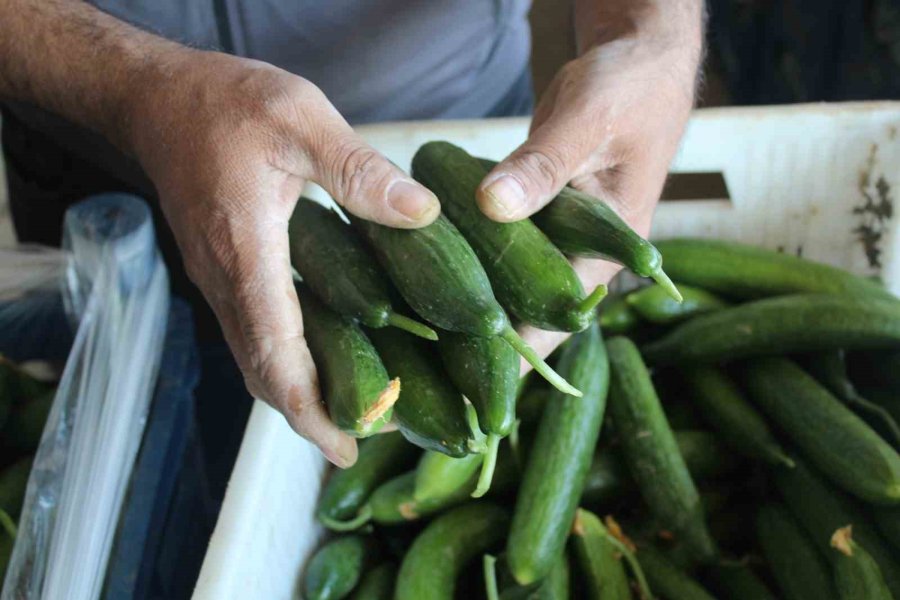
[431,566]
[394,502]
[821,510]
[722,404]
[742,271]
[358,393]
[737,581]
[341,271]
[856,573]
[666,580]
[600,560]
[559,460]
[651,452]
[656,305]
[834,439]
[380,458]
[439,475]
[336,568]
[532,279]
[797,566]
[430,412]
[377,583]
[802,323]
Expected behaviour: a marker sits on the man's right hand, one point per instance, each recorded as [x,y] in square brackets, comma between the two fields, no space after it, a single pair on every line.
[229,144]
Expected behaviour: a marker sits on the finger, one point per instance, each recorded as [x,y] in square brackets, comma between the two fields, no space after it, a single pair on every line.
[363,181]
[555,152]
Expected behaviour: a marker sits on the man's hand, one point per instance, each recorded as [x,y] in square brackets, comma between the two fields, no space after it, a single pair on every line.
[609,124]
[228,143]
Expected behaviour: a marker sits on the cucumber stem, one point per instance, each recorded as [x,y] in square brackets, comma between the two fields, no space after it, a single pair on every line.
[660,277]
[527,352]
[489,565]
[412,326]
[488,463]
[363,517]
[633,564]
[591,301]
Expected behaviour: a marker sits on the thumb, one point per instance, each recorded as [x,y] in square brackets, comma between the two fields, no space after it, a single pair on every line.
[368,185]
[533,174]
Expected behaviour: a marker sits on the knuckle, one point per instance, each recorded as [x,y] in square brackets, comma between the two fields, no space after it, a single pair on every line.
[358,168]
[544,165]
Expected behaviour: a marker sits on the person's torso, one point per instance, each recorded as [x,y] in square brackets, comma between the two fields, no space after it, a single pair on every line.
[376,60]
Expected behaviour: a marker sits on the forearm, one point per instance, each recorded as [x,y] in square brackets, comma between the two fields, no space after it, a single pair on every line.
[72,59]
[674,22]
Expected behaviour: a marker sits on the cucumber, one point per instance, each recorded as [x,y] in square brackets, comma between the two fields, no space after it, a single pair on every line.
[830,369]
[821,510]
[741,271]
[798,568]
[888,521]
[555,586]
[13,484]
[532,279]
[341,271]
[724,407]
[600,559]
[856,574]
[438,274]
[358,393]
[380,458]
[336,568]
[617,317]
[834,439]
[737,581]
[486,371]
[25,425]
[581,225]
[559,460]
[666,580]
[431,413]
[376,583]
[438,555]
[801,323]
[651,452]
[439,475]
[656,305]
[394,502]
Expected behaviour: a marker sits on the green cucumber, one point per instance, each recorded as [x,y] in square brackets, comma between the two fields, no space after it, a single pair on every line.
[856,574]
[830,369]
[581,225]
[666,580]
[555,586]
[25,425]
[656,305]
[737,581]
[617,317]
[532,279]
[486,371]
[336,568]
[439,475]
[559,461]
[832,437]
[600,559]
[724,407]
[888,521]
[801,323]
[358,393]
[742,271]
[438,555]
[821,510]
[376,583]
[430,412]
[13,484]
[380,458]
[798,568]
[438,274]
[341,271]
[651,452]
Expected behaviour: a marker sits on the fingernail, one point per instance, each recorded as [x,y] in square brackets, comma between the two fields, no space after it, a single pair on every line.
[506,196]
[413,201]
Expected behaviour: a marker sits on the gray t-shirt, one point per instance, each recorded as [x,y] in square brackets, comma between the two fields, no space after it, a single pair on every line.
[376,60]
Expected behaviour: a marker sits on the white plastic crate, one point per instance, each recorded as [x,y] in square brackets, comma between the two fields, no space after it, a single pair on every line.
[795,176]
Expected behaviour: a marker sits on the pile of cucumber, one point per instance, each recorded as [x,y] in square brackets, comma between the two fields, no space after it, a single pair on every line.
[739,444]
[24,405]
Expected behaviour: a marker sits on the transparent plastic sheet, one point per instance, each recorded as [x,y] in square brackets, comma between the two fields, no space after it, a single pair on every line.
[115,291]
